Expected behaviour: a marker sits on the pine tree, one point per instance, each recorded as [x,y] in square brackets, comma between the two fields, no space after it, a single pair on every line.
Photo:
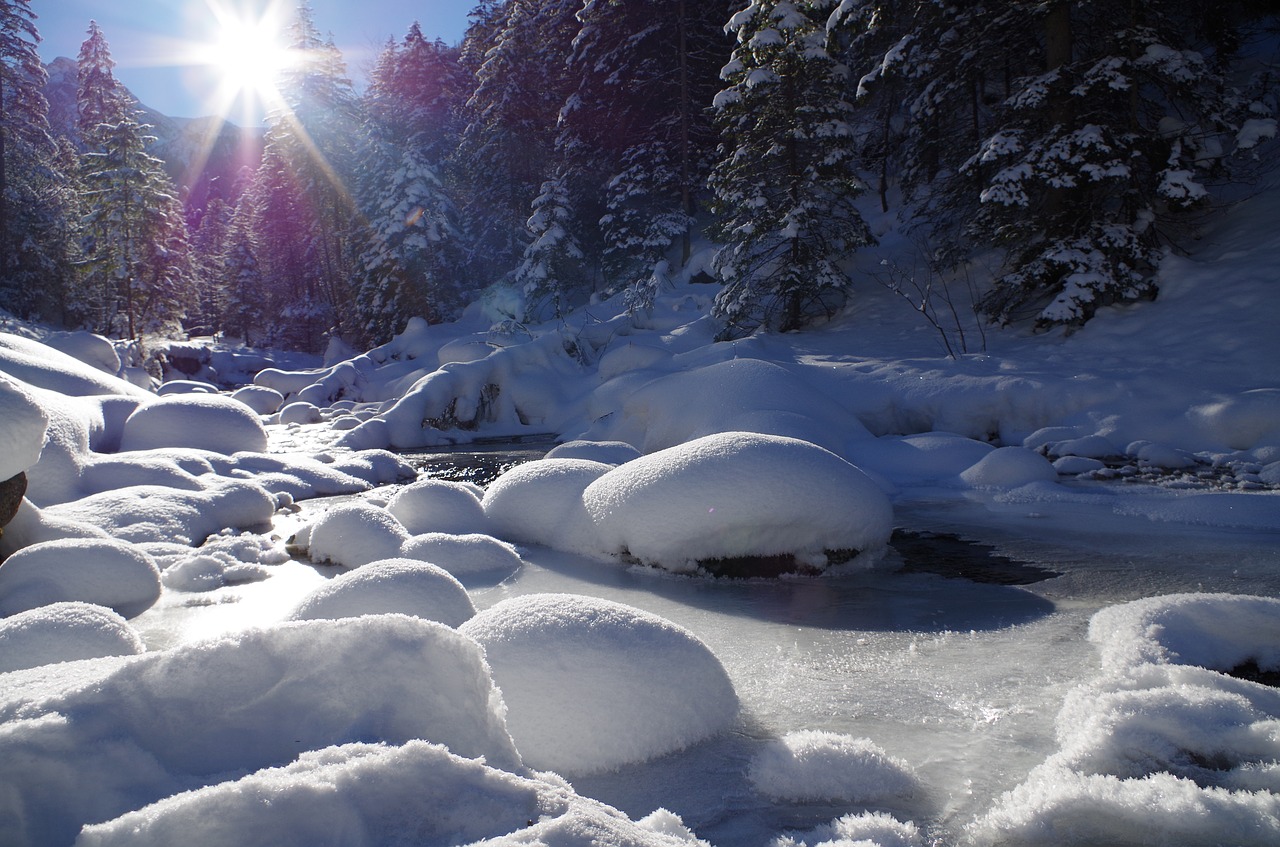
[244,303]
[100,99]
[552,269]
[785,181]
[637,135]
[209,244]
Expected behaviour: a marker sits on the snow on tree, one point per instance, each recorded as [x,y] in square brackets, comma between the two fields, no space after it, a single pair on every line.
[101,100]
[243,301]
[637,133]
[786,177]
[553,262]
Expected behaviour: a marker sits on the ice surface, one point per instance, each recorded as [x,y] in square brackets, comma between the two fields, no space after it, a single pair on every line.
[592,685]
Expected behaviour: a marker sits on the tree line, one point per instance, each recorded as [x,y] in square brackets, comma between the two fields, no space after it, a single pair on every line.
[570,149]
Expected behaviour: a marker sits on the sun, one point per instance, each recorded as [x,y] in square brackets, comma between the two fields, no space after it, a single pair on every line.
[247,54]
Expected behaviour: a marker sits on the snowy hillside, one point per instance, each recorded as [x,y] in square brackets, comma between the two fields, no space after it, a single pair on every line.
[238,617]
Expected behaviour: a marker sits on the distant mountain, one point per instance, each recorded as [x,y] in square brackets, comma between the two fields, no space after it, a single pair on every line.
[200,154]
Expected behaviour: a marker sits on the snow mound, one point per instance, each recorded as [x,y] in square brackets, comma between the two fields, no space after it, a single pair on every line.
[415,793]
[101,571]
[186,386]
[1009,467]
[92,349]
[472,558]
[541,503]
[918,458]
[1159,749]
[355,534]
[1244,420]
[735,395]
[436,505]
[43,366]
[606,452]
[591,685]
[204,713]
[64,632]
[738,494]
[390,586]
[207,422]
[300,412]
[259,398]
[22,435]
[815,766]
[1218,631]
[868,829]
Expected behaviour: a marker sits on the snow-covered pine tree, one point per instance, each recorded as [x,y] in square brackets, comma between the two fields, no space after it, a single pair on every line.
[552,269]
[785,181]
[508,143]
[209,244]
[135,252]
[1097,152]
[34,194]
[244,303]
[637,134]
[100,99]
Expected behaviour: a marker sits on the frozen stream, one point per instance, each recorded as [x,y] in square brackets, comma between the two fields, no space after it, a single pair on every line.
[960,679]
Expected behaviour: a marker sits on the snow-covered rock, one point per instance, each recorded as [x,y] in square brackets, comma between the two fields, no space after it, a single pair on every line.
[22,433]
[738,494]
[259,398]
[390,586]
[591,685]
[811,766]
[300,412]
[473,558]
[541,503]
[88,347]
[207,422]
[1009,467]
[355,534]
[607,452]
[105,572]
[64,632]
[437,505]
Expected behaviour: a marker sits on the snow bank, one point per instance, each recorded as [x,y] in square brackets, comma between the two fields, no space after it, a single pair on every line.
[1159,749]
[105,572]
[354,534]
[812,766]
[207,422]
[399,586]
[64,632]
[868,829]
[1242,421]
[436,505]
[591,685]
[43,366]
[204,713]
[738,494]
[540,502]
[374,794]
[472,558]
[22,435]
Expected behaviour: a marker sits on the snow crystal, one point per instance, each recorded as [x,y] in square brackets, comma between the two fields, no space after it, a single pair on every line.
[1009,467]
[737,494]
[400,586]
[591,685]
[216,423]
[64,632]
[105,572]
[435,505]
[206,712]
[541,503]
[473,558]
[355,534]
[813,766]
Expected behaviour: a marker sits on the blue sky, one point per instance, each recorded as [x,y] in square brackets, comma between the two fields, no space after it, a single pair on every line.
[149,38]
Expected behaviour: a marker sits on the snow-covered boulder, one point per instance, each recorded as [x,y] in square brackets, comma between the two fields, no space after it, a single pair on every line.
[100,571]
[472,558]
[259,398]
[23,429]
[541,503]
[355,534]
[734,495]
[207,422]
[591,685]
[186,386]
[165,722]
[64,632]
[811,766]
[42,366]
[607,452]
[437,505]
[87,347]
[1009,467]
[300,412]
[414,793]
[1242,421]
[390,586]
